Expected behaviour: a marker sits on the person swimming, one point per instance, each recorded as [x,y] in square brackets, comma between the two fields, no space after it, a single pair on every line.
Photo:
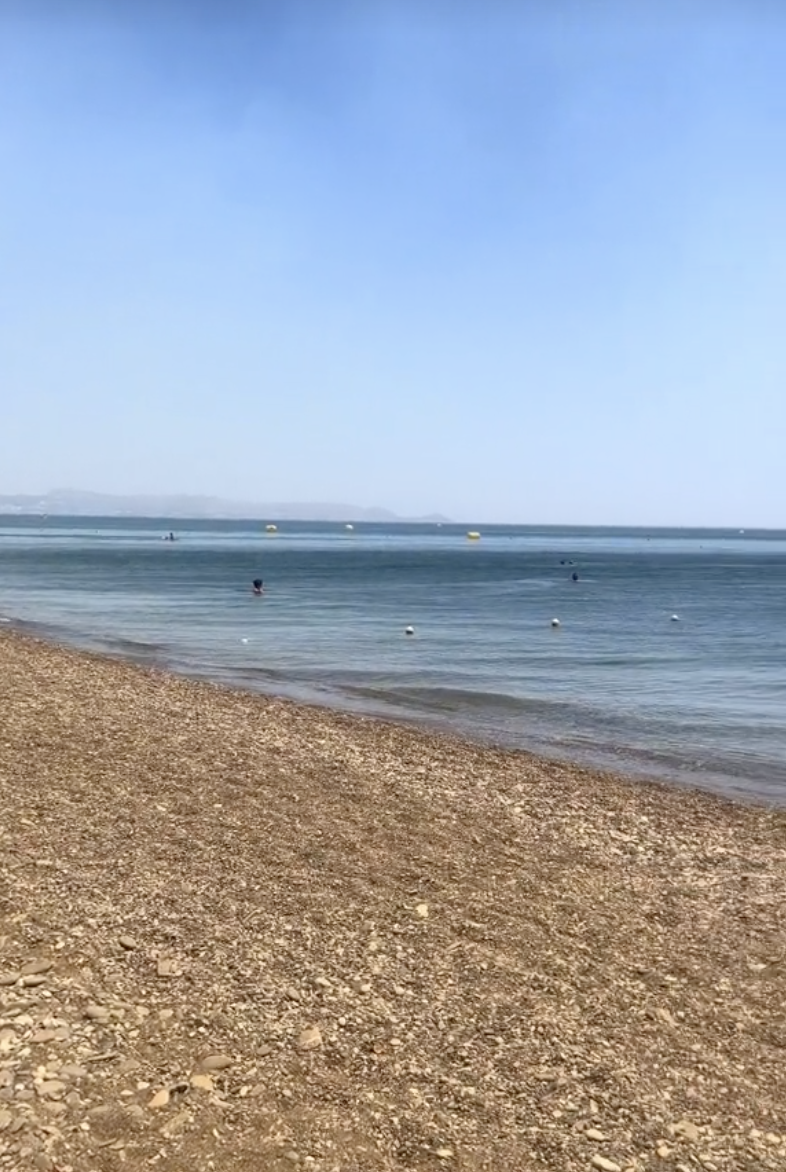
[259,586]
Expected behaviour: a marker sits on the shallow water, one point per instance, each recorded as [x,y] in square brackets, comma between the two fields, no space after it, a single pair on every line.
[619,683]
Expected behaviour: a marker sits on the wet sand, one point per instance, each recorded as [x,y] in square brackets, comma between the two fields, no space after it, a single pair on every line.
[239,933]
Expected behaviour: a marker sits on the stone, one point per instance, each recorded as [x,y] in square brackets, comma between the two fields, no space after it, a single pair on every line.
[202,1082]
[176,1124]
[6,1119]
[310,1038]
[33,967]
[687,1129]
[53,1088]
[160,1099]
[33,980]
[215,1062]
[72,1071]
[593,1133]
[97,1013]
[422,910]
[663,1152]
[41,1036]
[129,943]
[168,968]
[292,993]
[604,1164]
[9,978]
[444,1153]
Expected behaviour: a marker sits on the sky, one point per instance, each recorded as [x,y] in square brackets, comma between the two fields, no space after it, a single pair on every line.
[508,261]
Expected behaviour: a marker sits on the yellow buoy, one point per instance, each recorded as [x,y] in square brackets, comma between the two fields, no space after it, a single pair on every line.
[473,535]
[271,528]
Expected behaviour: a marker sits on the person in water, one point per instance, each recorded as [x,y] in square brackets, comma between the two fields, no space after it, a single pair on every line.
[259,586]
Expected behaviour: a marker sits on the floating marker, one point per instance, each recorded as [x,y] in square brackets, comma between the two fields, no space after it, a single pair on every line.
[555,622]
[675,618]
[473,535]
[409,630]
[244,640]
[349,526]
[271,528]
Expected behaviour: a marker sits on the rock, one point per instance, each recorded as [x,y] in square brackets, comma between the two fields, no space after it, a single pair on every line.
[41,1036]
[33,967]
[72,1071]
[310,1038]
[292,1156]
[160,1099]
[593,1133]
[176,1124]
[422,910]
[33,980]
[168,968]
[292,993]
[128,942]
[444,1153]
[97,1013]
[9,978]
[687,1129]
[43,1163]
[6,1119]
[663,1152]
[53,1088]
[202,1082]
[604,1164]
[215,1062]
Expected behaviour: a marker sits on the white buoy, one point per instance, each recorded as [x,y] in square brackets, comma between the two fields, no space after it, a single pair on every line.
[555,622]
[244,640]
[409,630]
[349,526]
[675,618]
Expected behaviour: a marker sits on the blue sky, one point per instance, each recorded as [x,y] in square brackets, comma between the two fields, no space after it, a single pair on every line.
[507,261]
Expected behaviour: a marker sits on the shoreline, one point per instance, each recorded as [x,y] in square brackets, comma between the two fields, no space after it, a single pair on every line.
[642,771]
[270,935]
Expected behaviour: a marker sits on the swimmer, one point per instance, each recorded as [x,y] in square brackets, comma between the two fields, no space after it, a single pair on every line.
[258,586]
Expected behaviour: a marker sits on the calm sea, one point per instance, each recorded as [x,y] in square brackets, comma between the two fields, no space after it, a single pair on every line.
[620,683]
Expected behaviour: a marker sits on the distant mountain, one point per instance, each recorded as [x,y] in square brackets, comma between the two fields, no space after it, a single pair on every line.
[70,502]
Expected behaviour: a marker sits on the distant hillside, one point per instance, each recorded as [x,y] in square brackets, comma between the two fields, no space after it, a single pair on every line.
[76,503]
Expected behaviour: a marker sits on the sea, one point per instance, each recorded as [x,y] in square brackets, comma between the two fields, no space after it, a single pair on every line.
[655,652]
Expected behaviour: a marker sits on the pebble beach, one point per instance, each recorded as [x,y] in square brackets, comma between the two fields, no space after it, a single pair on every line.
[238,933]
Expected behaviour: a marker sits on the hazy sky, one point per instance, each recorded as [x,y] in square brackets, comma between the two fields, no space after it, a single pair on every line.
[505,260]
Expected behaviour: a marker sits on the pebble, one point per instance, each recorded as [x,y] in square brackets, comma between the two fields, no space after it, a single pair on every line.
[422,910]
[310,1038]
[34,967]
[9,978]
[33,980]
[216,1062]
[128,942]
[160,1099]
[72,1071]
[605,1165]
[593,1133]
[6,1119]
[43,1036]
[687,1129]
[53,1088]
[97,1013]
[202,1082]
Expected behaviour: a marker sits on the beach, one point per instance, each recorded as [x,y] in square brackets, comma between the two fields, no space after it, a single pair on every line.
[241,933]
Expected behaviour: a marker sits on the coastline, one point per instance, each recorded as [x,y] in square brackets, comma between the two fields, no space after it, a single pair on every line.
[400,949]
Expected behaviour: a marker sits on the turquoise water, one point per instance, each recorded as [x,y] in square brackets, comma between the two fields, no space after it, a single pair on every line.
[618,683]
